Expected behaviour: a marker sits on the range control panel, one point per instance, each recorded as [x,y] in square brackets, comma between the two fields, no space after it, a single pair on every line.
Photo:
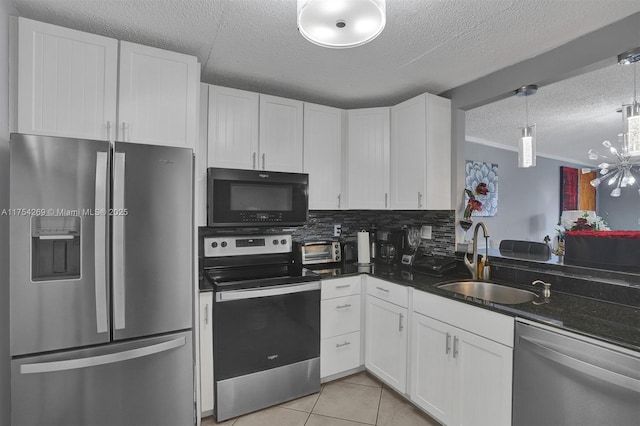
[245,245]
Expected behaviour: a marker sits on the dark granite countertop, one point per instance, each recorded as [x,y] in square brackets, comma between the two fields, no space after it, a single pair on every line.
[616,323]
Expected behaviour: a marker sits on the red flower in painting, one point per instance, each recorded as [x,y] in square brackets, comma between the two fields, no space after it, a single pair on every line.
[482,189]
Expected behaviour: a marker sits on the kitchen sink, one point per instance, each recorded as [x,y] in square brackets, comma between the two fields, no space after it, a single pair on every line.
[490,292]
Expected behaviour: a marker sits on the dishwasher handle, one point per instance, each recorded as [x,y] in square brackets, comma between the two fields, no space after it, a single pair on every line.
[583,367]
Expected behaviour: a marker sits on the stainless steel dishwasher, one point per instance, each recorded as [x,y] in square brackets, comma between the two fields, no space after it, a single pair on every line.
[564,379]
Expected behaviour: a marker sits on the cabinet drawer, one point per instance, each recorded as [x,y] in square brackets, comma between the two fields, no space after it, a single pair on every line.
[394,293]
[340,287]
[491,325]
[340,315]
[339,353]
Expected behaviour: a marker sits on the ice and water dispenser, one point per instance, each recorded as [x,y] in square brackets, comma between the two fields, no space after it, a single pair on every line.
[55,248]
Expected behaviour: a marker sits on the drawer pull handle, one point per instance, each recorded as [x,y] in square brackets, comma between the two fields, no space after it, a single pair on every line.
[448,345]
[343,286]
[340,345]
[346,305]
[400,325]
[386,290]
[455,347]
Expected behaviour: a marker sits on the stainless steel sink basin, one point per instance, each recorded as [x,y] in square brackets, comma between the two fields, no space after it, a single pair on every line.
[490,292]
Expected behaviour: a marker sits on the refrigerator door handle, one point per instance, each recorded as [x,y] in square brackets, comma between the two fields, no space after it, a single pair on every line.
[118,241]
[74,364]
[100,236]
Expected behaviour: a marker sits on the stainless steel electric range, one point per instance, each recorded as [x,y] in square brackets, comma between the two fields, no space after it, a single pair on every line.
[266,323]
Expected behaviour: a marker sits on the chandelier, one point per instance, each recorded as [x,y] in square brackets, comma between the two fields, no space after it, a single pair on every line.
[341,23]
[619,169]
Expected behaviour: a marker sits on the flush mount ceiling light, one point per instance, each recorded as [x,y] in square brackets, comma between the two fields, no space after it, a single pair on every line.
[527,143]
[627,160]
[341,23]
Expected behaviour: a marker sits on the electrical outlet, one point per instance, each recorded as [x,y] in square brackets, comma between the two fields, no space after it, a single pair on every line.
[337,229]
[425,232]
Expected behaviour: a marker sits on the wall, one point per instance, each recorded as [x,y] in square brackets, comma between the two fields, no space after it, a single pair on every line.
[528,199]
[622,212]
[5,380]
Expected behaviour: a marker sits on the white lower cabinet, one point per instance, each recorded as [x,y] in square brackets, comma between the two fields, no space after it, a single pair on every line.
[340,318]
[459,377]
[206,354]
[386,332]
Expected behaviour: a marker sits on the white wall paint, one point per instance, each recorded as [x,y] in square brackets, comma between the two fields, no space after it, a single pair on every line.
[6,9]
[528,199]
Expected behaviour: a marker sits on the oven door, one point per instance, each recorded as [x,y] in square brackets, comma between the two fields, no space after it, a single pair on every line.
[263,328]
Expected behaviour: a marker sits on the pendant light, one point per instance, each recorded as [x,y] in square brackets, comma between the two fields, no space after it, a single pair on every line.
[527,142]
[340,24]
[619,169]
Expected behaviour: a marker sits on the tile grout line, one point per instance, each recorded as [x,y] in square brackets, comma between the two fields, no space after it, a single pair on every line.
[315,403]
[379,404]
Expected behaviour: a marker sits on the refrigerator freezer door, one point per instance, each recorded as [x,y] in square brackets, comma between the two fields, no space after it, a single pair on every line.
[58,278]
[152,240]
[143,382]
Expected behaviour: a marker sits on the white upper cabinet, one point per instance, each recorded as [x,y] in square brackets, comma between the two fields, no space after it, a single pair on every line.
[421,154]
[233,128]
[280,134]
[158,96]
[323,156]
[368,158]
[67,82]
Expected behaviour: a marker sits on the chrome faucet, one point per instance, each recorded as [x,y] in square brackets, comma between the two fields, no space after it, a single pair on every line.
[473,266]
[546,292]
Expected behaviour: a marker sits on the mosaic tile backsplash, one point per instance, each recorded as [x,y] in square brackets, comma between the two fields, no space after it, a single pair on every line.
[320,226]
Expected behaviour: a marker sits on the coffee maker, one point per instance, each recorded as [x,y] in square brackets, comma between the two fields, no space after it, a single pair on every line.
[390,245]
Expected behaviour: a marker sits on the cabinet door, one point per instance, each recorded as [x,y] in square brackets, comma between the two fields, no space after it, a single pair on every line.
[339,354]
[280,134]
[408,154]
[206,353]
[158,96]
[67,82]
[323,156]
[438,189]
[368,158]
[482,380]
[339,316]
[430,383]
[233,128]
[386,342]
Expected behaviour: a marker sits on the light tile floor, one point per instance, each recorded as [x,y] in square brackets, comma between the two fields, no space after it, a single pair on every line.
[359,399]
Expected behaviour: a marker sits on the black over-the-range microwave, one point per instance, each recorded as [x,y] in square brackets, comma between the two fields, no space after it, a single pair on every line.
[256,198]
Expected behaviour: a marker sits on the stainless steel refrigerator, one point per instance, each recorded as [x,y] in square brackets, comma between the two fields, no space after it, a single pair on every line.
[101,283]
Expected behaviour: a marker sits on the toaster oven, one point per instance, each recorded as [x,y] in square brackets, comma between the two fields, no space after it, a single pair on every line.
[317,252]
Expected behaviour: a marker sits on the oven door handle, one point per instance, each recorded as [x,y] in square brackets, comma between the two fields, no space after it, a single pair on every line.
[227,296]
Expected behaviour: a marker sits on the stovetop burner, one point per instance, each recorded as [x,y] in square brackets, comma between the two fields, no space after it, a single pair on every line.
[224,279]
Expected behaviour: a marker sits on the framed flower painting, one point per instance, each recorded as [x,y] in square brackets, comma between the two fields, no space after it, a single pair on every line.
[478,173]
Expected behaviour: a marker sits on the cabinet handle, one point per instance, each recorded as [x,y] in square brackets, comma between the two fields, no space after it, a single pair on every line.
[340,345]
[455,347]
[263,162]
[206,314]
[339,196]
[419,199]
[343,286]
[254,161]
[346,305]
[109,130]
[386,290]
[123,127]
[386,200]
[400,326]
[448,344]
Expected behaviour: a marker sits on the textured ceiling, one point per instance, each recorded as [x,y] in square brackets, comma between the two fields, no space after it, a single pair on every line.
[427,45]
[571,116]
